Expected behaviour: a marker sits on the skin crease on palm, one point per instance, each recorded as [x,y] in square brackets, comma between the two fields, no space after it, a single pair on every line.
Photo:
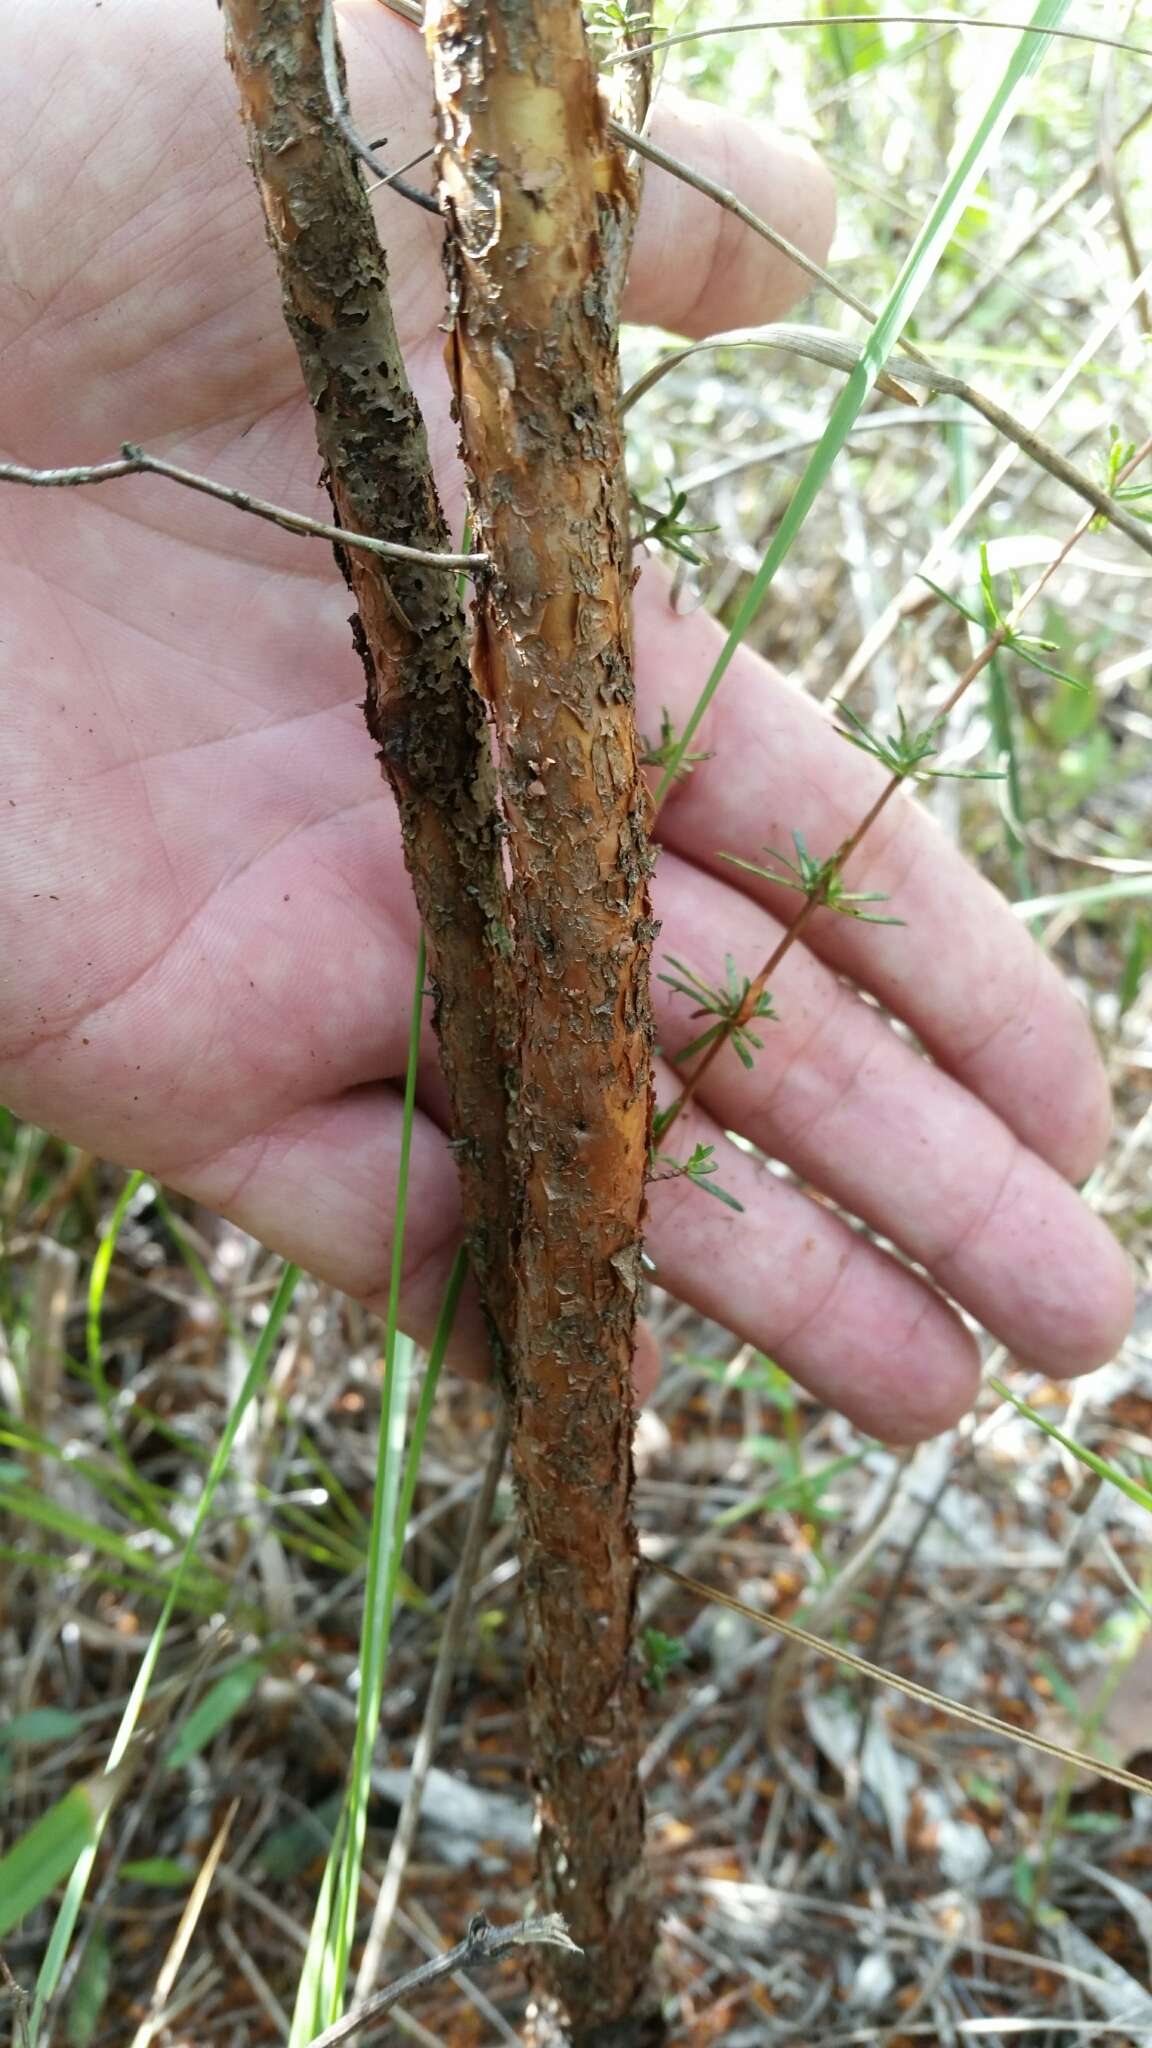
[207,939]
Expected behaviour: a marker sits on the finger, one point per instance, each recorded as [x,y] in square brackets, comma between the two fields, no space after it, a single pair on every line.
[696,268]
[318,1189]
[961,969]
[787,1275]
[850,1106]
[791,1277]
[645,1362]
[183,1000]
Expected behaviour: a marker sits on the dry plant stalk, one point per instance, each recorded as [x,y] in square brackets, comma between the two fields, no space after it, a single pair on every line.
[540,204]
[542,976]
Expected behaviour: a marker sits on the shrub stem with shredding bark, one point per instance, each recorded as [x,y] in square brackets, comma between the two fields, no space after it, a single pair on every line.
[541,973]
[540,202]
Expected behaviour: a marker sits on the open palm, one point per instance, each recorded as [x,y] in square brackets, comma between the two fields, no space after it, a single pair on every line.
[207,940]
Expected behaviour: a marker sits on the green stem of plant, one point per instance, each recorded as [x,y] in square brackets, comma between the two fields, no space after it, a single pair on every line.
[382,1559]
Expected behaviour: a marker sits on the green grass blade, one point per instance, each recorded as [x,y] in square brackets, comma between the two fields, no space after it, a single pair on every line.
[97,1287]
[106,1478]
[1095,1463]
[324,1978]
[90,1992]
[315,1991]
[1095,897]
[922,260]
[443,1332]
[26,1505]
[57,1950]
[220,1704]
[36,1863]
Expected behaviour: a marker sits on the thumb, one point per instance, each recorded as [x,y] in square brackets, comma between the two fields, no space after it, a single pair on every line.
[696,268]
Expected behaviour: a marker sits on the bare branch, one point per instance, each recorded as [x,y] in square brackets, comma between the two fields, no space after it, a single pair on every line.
[137,462]
[338,103]
[393,177]
[700,182]
[974,1717]
[483,1943]
[535,262]
[422,708]
[957,21]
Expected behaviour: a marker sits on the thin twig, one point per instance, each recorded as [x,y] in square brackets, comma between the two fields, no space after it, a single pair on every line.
[973,1717]
[816,898]
[19,2000]
[692,35]
[483,1943]
[257,1982]
[914,367]
[338,104]
[1110,178]
[731,203]
[186,1927]
[137,462]
[418,1927]
[421,157]
[454,1625]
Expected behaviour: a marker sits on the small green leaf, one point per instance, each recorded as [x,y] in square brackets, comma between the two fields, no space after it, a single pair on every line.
[1137,959]
[668,753]
[159,1870]
[290,1849]
[820,880]
[41,1725]
[1142,1495]
[696,1169]
[733,1005]
[662,1654]
[219,1705]
[669,530]
[37,1863]
[90,1990]
[1024,1882]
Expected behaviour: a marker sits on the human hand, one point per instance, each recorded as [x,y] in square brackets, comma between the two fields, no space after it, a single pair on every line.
[207,936]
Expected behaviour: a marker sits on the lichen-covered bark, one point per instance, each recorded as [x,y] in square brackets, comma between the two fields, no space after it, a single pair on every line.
[539,205]
[422,709]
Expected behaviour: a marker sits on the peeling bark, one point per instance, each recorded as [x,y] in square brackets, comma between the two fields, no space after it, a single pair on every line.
[542,976]
[421,707]
[540,206]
